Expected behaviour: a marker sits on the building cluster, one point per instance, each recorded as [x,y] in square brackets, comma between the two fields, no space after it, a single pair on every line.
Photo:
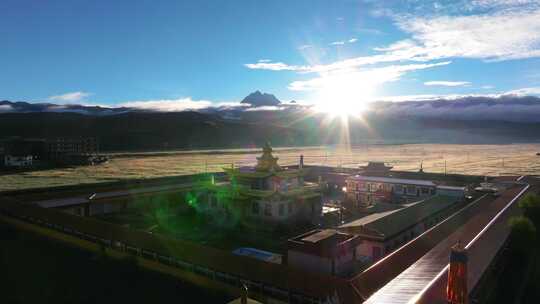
[20,153]
[383,232]
[392,210]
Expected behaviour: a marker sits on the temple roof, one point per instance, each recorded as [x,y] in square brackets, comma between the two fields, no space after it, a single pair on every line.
[376,166]
[267,162]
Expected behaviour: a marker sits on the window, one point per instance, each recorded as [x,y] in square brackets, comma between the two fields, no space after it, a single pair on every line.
[411,190]
[290,207]
[268,209]
[255,208]
[425,191]
[399,188]
[281,209]
[432,191]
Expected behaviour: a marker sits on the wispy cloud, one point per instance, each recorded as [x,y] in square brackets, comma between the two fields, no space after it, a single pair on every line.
[498,36]
[305,46]
[69,97]
[489,30]
[370,31]
[502,35]
[447,83]
[273,66]
[374,76]
[342,42]
[525,91]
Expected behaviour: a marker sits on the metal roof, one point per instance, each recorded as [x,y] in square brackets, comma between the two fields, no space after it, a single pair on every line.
[318,236]
[393,222]
[391,180]
[451,188]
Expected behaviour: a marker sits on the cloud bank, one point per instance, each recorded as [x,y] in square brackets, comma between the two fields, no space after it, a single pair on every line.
[169,105]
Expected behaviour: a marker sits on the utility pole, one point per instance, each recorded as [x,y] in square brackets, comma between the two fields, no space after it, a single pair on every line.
[445,167]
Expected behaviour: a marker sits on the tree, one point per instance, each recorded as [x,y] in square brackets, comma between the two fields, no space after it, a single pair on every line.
[522,234]
[531,208]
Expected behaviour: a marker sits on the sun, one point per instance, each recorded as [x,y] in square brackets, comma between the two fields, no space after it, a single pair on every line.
[343,95]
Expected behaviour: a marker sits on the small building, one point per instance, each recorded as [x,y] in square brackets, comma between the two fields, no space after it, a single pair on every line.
[19,161]
[385,231]
[18,152]
[374,168]
[364,191]
[457,192]
[324,251]
[265,194]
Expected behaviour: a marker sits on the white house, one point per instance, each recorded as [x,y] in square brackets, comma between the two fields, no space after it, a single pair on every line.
[18,161]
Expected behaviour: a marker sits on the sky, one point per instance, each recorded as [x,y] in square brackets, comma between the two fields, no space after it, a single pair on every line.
[199,53]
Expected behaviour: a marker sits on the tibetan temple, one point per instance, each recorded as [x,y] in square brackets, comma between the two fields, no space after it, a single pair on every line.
[266,193]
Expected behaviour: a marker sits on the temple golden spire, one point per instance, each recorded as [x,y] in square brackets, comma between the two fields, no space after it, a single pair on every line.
[267,162]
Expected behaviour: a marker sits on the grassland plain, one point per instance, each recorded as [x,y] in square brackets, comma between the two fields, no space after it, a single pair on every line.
[460,159]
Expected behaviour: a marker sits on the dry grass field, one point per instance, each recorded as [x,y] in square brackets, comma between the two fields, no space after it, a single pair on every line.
[461,159]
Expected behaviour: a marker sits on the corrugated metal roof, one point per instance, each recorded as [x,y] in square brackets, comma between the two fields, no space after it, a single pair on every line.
[395,221]
[392,180]
[451,188]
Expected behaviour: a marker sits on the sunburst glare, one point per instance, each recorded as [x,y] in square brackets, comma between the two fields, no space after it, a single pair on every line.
[344,95]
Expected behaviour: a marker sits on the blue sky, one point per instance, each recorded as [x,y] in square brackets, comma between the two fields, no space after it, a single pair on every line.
[212,52]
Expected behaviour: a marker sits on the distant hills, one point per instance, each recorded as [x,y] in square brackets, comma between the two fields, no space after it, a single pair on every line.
[467,120]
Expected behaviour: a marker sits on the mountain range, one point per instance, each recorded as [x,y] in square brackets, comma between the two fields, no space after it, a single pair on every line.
[501,119]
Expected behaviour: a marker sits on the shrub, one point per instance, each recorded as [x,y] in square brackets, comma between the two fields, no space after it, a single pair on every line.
[531,208]
[522,234]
